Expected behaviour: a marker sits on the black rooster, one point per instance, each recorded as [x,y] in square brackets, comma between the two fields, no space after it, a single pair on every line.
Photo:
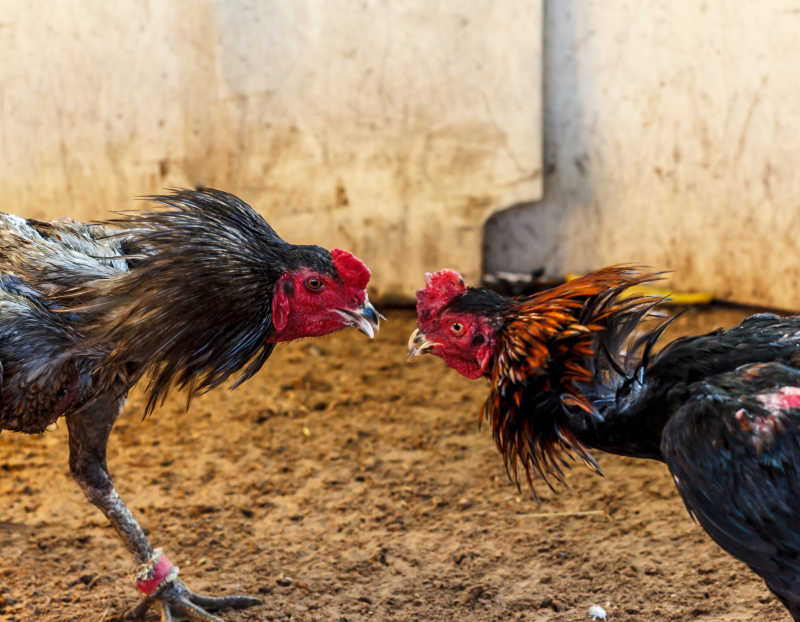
[722,410]
[187,294]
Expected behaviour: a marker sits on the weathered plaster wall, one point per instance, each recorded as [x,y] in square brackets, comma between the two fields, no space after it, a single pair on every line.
[389,128]
[672,138]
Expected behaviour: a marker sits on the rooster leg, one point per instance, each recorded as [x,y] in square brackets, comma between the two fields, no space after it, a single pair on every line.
[88,437]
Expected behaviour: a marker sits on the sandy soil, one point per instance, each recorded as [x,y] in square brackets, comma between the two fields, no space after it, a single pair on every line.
[342,484]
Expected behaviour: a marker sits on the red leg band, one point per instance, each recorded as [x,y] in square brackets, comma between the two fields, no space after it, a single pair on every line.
[160,570]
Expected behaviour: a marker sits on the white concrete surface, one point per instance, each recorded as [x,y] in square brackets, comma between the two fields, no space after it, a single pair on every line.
[672,138]
[392,129]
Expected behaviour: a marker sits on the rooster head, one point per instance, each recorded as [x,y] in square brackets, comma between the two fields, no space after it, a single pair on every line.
[321,292]
[457,323]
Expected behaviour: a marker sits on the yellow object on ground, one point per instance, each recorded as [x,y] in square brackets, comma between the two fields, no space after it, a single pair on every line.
[674,298]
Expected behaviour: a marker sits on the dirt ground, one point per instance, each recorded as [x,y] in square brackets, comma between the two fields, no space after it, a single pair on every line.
[343,484]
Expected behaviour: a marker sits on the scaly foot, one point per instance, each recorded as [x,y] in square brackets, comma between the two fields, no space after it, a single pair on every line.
[158,579]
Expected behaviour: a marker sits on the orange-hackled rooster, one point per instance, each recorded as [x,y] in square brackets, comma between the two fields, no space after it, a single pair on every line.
[722,410]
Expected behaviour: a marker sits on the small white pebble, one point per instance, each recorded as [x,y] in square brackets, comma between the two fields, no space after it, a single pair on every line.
[597,612]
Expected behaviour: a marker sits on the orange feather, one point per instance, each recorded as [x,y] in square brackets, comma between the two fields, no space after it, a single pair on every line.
[545,346]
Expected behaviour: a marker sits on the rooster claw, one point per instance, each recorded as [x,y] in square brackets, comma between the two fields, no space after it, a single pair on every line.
[179,603]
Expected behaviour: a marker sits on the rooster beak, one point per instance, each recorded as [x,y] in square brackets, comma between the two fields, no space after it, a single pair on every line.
[366,318]
[418,343]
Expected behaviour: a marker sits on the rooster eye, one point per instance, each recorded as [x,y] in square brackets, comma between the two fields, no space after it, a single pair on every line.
[313,284]
[456,327]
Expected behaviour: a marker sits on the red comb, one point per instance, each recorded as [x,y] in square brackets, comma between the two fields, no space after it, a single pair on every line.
[440,288]
[350,268]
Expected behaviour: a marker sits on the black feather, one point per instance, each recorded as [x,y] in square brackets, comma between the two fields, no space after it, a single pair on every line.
[195,306]
[181,294]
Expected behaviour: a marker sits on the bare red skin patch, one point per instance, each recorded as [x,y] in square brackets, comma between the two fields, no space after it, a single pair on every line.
[762,427]
[787,398]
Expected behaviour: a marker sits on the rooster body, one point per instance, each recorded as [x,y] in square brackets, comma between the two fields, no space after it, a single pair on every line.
[188,294]
[37,385]
[568,373]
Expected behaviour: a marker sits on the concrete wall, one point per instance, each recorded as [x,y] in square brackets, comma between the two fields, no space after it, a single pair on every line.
[672,138]
[392,129]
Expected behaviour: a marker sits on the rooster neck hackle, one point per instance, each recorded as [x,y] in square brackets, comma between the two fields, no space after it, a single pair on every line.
[195,306]
[549,349]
